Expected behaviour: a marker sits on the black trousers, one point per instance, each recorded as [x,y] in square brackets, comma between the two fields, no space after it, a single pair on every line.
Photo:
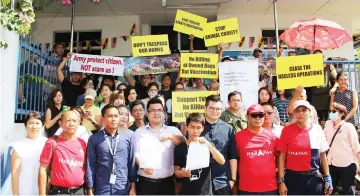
[298,184]
[54,190]
[345,176]
[276,192]
[147,186]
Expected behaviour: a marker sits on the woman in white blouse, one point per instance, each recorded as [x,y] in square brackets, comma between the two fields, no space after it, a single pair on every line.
[25,157]
[344,151]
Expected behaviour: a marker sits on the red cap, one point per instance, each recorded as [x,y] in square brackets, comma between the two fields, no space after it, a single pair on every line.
[255,108]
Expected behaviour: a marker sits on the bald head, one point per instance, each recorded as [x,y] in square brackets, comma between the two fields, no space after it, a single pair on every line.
[214,86]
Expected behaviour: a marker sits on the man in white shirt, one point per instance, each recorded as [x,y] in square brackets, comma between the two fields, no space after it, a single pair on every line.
[269,120]
[154,152]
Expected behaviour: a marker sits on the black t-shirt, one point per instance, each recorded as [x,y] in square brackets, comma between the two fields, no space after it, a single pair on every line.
[141,91]
[71,92]
[201,186]
[167,94]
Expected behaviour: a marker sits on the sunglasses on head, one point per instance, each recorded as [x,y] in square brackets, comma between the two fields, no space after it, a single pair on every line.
[258,115]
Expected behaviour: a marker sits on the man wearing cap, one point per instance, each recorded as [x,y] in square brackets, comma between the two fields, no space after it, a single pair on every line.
[71,89]
[221,135]
[92,118]
[256,146]
[303,147]
[300,94]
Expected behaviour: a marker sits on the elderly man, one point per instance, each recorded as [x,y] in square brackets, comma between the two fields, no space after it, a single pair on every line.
[300,94]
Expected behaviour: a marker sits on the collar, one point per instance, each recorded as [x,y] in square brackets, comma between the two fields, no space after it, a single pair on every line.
[149,128]
[108,134]
[341,123]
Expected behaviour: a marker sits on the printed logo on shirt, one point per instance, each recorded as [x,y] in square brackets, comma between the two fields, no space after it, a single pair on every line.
[268,141]
[259,152]
[71,162]
[297,153]
[81,151]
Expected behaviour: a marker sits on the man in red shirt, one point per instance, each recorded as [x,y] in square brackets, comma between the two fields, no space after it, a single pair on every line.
[66,160]
[256,150]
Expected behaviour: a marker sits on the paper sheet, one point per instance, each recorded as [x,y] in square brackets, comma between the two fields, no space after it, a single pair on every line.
[150,153]
[198,156]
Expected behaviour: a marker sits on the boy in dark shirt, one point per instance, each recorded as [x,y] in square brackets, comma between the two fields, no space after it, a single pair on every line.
[195,182]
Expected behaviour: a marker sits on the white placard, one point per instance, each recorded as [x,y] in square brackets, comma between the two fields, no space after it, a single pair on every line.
[105,65]
[239,76]
[198,156]
[150,153]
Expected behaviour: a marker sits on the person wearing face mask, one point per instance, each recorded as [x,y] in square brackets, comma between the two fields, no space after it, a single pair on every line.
[153,91]
[344,150]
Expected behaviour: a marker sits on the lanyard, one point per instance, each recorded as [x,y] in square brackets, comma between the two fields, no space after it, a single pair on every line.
[111,149]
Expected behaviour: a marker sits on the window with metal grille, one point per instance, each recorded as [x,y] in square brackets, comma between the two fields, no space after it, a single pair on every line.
[82,37]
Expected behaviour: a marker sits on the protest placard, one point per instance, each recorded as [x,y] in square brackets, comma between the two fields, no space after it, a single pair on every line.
[150,45]
[189,23]
[151,65]
[306,70]
[199,65]
[225,31]
[105,65]
[184,103]
[239,76]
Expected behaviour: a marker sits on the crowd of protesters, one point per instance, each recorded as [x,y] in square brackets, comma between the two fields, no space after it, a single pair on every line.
[299,141]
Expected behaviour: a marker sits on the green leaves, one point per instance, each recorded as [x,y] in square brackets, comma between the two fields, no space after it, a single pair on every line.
[39,80]
[18,20]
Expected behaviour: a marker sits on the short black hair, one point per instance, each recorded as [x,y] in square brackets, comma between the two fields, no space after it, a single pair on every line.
[195,117]
[152,84]
[165,75]
[56,44]
[233,94]
[135,103]
[213,98]
[266,103]
[290,52]
[36,115]
[154,100]
[317,51]
[339,74]
[106,107]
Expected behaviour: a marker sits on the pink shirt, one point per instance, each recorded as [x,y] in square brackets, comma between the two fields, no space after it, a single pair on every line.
[345,146]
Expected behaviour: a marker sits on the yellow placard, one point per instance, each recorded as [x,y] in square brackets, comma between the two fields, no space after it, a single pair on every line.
[184,103]
[189,23]
[150,45]
[225,31]
[199,65]
[306,70]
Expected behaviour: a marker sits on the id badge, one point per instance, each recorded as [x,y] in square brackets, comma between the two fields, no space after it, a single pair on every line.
[112,178]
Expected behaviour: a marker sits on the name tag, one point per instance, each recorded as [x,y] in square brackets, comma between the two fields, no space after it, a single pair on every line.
[112,179]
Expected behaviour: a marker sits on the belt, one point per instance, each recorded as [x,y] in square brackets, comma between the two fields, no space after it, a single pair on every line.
[159,180]
[70,190]
[304,173]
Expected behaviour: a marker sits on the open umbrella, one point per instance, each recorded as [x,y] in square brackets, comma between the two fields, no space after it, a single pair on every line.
[315,34]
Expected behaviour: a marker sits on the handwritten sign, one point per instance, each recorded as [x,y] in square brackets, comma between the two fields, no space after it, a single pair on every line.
[189,23]
[184,103]
[225,31]
[150,45]
[306,70]
[105,65]
[199,65]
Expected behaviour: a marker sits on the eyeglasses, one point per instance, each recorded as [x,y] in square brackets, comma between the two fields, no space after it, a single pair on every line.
[215,109]
[269,113]
[156,111]
[259,115]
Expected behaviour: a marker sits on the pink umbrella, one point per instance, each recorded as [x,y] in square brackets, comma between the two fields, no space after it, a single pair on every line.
[315,34]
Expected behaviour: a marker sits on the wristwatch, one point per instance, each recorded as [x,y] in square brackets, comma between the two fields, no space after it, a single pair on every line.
[280,180]
[232,180]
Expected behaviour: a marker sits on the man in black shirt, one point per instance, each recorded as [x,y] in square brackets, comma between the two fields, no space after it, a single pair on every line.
[198,181]
[140,86]
[71,89]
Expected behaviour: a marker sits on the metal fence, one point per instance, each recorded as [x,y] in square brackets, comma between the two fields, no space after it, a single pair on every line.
[36,78]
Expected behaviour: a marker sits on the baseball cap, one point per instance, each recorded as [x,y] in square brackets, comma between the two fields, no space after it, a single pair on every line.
[90,94]
[255,108]
[304,103]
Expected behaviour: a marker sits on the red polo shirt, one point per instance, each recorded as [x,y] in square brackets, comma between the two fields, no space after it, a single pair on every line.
[256,166]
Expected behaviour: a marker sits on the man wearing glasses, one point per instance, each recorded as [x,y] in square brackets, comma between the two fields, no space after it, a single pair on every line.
[256,147]
[221,135]
[154,152]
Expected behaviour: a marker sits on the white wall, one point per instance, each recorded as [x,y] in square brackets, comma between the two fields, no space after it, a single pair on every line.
[145,29]
[252,25]
[114,26]
[8,82]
